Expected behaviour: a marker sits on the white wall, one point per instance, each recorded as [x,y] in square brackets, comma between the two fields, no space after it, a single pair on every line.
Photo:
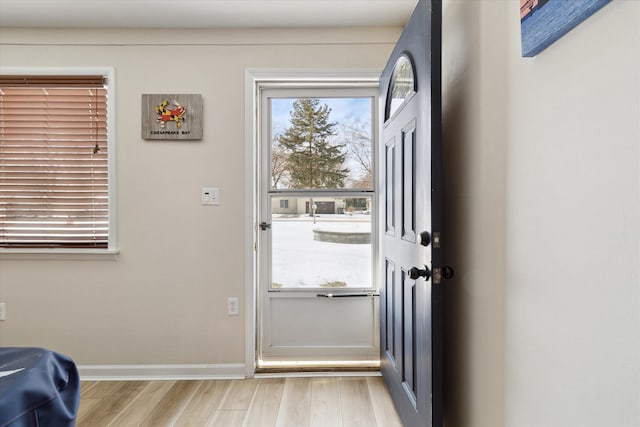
[573,277]
[162,300]
[543,157]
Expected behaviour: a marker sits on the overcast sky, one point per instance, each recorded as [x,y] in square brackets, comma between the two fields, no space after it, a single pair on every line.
[343,110]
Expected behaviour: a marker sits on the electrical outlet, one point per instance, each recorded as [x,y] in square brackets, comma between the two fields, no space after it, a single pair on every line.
[3,311]
[232,306]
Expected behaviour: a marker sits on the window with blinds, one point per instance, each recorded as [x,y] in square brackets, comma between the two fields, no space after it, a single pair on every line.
[54,183]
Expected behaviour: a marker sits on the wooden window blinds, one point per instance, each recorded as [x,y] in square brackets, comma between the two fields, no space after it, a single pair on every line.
[54,183]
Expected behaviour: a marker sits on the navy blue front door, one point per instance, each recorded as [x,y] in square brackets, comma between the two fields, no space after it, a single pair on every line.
[410,212]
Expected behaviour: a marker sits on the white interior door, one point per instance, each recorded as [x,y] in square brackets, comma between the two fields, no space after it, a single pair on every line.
[317,293]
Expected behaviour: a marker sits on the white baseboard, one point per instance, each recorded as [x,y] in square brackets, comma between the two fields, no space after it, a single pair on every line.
[161,372]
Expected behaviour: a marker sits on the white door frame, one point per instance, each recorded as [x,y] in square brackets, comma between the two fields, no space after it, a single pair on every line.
[253,79]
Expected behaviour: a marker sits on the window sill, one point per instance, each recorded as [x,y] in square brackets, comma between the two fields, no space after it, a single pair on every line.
[58,254]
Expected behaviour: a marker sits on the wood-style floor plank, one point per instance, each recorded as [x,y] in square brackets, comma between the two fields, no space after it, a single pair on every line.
[85,386]
[167,411]
[113,395]
[240,394]
[201,407]
[357,410]
[385,412]
[86,408]
[139,409]
[227,418]
[325,403]
[295,407]
[265,405]
[100,390]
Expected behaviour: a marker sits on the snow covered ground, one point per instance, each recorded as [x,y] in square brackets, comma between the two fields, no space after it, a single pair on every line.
[301,262]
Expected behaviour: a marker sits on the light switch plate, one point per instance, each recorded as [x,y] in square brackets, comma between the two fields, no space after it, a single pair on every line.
[210,196]
[232,306]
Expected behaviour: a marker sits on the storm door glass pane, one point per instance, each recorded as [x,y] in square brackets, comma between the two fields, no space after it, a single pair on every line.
[321,242]
[321,143]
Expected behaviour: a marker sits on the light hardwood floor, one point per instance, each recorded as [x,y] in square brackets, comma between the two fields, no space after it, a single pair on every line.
[265,402]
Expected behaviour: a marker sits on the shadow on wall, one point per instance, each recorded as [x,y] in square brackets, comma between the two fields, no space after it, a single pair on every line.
[454,117]
[472,162]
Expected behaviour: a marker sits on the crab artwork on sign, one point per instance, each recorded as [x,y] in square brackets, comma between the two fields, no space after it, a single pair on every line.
[168,114]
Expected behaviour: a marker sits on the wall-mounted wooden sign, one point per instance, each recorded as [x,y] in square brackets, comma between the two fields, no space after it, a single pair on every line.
[172,116]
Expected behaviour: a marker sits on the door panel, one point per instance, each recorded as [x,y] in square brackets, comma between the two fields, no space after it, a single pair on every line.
[408,182]
[390,188]
[391,292]
[411,318]
[315,322]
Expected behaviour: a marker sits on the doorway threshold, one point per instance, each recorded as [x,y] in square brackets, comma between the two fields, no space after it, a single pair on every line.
[320,368]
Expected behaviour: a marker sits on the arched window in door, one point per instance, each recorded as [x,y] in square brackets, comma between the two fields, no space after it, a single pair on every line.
[402,86]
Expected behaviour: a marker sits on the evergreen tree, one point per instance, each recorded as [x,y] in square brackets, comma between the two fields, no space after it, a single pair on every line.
[313,161]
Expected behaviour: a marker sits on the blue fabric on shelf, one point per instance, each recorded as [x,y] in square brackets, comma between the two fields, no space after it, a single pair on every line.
[38,387]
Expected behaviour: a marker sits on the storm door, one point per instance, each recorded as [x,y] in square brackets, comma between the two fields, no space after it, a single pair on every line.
[317,226]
